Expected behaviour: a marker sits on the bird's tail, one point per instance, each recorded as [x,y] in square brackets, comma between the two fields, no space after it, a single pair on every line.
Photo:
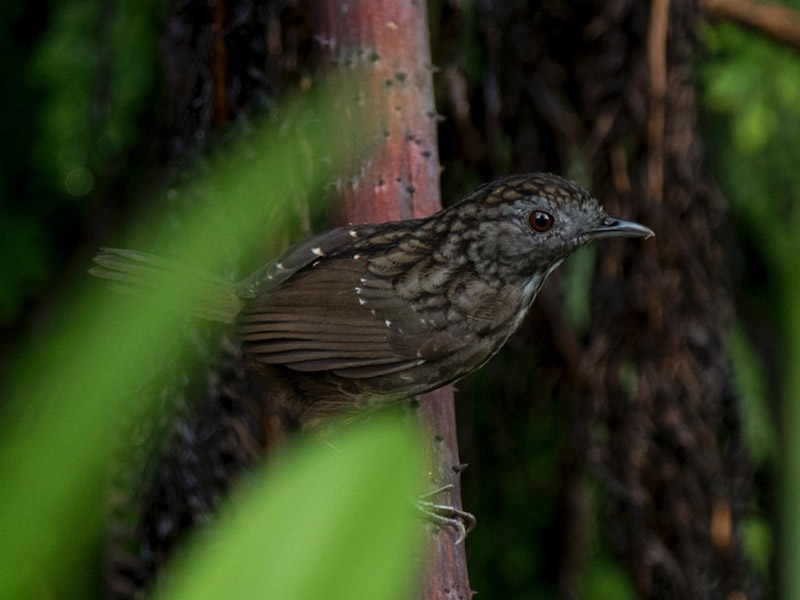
[200,294]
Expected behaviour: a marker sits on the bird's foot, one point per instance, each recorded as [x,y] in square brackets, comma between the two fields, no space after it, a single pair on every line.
[443,515]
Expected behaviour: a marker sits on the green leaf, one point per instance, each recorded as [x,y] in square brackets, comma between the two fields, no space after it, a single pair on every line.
[758,543]
[66,396]
[332,521]
[759,430]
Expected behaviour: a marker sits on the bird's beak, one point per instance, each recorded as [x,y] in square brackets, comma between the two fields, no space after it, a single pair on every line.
[613,227]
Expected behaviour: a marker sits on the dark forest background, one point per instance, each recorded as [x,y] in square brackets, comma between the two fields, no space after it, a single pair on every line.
[634,438]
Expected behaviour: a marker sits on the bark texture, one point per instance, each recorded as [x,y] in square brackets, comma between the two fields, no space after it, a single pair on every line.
[669,449]
[604,91]
[400,180]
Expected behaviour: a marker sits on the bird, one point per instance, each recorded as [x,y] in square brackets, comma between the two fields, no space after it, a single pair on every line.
[363,315]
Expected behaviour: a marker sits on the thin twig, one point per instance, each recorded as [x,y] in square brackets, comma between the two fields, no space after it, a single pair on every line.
[657,61]
[781,23]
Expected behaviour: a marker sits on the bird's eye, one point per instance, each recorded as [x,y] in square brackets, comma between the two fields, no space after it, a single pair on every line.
[540,221]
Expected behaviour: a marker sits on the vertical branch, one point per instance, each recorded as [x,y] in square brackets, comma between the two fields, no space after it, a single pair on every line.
[219,64]
[400,180]
[657,61]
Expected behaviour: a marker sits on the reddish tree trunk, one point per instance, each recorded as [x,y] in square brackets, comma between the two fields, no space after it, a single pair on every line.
[400,180]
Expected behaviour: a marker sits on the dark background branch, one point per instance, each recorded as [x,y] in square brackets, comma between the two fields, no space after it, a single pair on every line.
[774,20]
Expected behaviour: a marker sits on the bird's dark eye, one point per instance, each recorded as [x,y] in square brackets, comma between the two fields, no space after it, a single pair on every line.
[541,221]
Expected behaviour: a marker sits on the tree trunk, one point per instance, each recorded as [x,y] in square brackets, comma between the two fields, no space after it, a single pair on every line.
[671,452]
[389,40]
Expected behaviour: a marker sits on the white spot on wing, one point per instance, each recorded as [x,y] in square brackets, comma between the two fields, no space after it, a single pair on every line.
[317,251]
[356,256]
[362,302]
[353,234]
[388,323]
[279,265]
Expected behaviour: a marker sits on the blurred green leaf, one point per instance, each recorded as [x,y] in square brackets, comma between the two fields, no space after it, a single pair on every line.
[605,579]
[753,79]
[98,66]
[576,276]
[759,431]
[68,393]
[754,127]
[134,33]
[758,543]
[66,66]
[334,521]
[752,91]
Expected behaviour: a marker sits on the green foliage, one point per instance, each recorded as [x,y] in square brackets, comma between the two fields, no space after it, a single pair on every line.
[758,543]
[63,406]
[576,277]
[67,63]
[739,82]
[759,428]
[752,93]
[752,90]
[333,521]
[133,33]
[98,66]
[606,579]
[77,98]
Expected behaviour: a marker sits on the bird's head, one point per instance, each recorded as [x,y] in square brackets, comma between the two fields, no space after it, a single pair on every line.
[525,225]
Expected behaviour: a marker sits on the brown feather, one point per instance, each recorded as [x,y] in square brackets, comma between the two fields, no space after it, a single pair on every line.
[336,319]
[315,322]
[370,371]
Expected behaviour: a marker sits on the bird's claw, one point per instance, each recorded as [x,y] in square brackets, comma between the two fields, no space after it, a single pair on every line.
[443,515]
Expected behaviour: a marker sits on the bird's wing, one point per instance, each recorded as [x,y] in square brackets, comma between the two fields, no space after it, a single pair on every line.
[339,316]
[299,256]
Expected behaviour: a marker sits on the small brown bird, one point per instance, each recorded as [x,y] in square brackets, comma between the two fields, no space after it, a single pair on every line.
[370,313]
